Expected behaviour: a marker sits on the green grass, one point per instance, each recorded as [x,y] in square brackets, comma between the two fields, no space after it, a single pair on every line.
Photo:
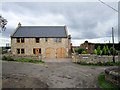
[29,60]
[105,84]
[9,58]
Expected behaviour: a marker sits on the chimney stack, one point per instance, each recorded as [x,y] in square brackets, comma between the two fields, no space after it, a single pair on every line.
[19,24]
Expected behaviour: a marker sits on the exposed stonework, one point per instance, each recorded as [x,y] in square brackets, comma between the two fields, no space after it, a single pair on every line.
[30,43]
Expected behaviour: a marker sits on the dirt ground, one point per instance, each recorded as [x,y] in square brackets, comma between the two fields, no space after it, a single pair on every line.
[49,75]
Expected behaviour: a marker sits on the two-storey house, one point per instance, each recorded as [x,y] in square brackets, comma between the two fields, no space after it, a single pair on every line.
[48,41]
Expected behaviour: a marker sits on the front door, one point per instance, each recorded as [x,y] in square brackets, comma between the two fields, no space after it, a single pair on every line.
[37,51]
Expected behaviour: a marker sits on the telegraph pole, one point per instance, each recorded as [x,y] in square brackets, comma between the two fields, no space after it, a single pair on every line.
[113,45]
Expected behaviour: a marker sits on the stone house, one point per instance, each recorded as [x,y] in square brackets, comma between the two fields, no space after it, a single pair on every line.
[89,47]
[47,41]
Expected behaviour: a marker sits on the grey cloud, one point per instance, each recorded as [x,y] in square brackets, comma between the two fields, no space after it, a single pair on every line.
[81,17]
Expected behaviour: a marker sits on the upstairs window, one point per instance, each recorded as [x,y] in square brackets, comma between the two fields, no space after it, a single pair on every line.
[57,39]
[37,40]
[46,39]
[20,40]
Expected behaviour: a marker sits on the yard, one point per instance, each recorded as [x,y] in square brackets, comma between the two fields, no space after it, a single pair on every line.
[49,75]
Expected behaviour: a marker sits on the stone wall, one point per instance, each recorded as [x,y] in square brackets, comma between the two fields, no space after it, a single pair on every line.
[92,58]
[30,43]
[112,74]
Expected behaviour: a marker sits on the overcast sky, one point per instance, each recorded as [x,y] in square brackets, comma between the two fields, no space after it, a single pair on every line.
[92,21]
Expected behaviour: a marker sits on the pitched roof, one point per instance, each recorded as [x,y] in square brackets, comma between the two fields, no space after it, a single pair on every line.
[40,31]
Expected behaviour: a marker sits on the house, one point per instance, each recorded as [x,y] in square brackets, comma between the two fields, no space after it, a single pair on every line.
[89,47]
[48,41]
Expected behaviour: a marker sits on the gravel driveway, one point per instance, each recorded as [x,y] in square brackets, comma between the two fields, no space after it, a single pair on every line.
[49,75]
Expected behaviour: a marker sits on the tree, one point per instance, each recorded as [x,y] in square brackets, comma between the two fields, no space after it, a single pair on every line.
[98,50]
[80,50]
[95,51]
[3,22]
[83,52]
[111,50]
[101,52]
[104,50]
[107,50]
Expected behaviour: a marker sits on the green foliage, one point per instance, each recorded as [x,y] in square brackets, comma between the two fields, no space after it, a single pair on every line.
[4,58]
[95,51]
[105,84]
[107,50]
[104,50]
[111,51]
[80,50]
[7,58]
[29,60]
[83,52]
[98,50]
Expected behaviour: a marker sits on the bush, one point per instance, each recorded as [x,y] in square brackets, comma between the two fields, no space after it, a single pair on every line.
[29,60]
[4,58]
[98,50]
[95,51]
[83,52]
[80,50]
[7,58]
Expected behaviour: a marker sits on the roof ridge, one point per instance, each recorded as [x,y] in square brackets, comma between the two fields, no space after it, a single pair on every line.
[42,26]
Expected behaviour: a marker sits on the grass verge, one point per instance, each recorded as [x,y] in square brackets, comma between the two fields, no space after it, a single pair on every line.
[105,84]
[8,58]
[29,60]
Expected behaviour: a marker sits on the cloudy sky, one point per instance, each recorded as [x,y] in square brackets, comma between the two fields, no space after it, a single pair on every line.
[92,21]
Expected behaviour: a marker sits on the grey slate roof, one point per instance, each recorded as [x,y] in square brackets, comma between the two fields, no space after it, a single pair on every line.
[40,31]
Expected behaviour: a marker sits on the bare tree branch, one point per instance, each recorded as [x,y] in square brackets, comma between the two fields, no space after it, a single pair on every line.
[3,22]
